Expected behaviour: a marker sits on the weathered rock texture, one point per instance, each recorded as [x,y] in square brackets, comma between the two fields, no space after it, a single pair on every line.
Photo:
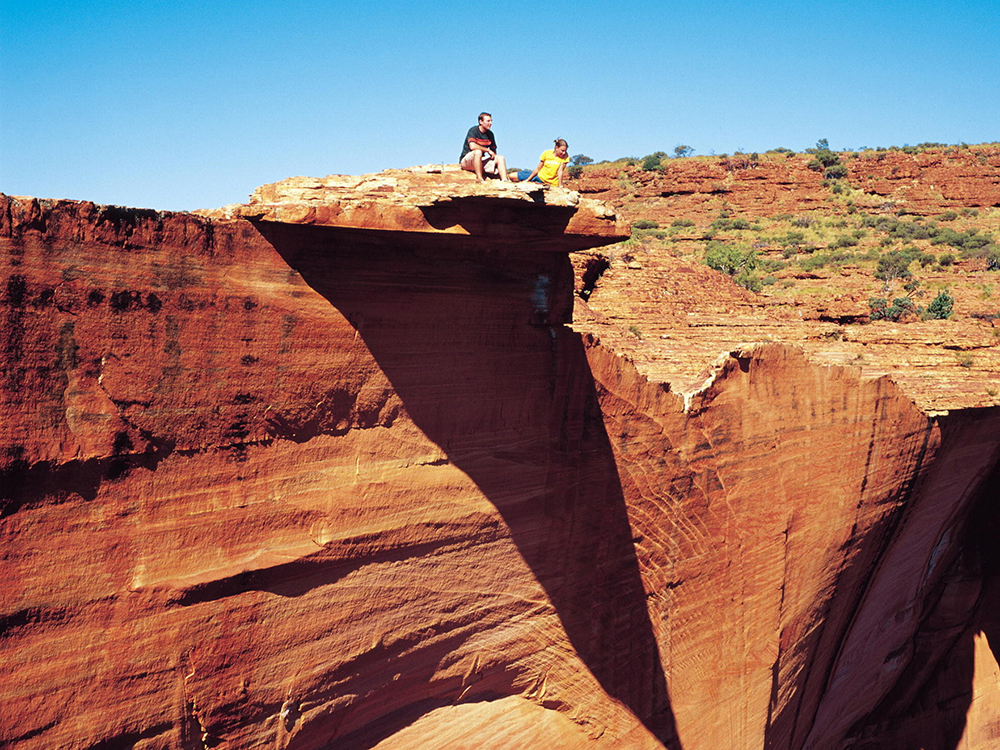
[271,481]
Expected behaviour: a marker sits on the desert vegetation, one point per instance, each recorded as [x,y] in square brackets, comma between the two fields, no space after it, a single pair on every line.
[892,261]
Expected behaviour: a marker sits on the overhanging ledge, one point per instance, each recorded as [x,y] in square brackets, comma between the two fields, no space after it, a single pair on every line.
[437,200]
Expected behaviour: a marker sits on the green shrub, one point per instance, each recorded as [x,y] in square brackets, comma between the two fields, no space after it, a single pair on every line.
[946,260]
[735,262]
[827,162]
[993,259]
[728,259]
[941,306]
[844,241]
[968,241]
[792,238]
[645,224]
[651,164]
[768,265]
[880,309]
[894,265]
[818,260]
[748,280]
[723,224]
[682,223]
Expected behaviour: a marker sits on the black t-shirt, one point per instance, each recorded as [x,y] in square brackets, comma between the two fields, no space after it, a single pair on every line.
[483,139]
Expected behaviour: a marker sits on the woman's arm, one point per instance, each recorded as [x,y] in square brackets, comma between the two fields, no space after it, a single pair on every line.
[536,171]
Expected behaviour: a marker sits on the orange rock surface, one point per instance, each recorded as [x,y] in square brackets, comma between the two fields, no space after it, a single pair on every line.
[330,470]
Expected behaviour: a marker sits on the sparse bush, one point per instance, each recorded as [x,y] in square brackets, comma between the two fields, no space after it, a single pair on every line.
[682,223]
[645,224]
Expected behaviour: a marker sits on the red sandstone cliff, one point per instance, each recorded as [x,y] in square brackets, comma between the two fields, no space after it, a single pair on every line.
[332,470]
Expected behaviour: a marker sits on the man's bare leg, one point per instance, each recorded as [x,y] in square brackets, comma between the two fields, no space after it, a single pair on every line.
[502,168]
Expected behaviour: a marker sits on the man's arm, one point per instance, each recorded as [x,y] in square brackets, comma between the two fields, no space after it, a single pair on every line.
[475,145]
[482,144]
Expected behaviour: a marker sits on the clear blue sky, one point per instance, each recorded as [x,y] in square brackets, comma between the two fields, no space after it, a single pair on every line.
[181,105]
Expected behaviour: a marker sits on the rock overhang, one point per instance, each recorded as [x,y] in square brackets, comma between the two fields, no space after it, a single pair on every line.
[436,201]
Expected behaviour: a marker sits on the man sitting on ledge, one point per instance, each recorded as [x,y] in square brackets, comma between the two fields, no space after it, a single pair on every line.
[479,152]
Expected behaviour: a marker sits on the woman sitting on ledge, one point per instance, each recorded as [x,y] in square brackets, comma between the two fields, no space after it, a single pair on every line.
[551,166]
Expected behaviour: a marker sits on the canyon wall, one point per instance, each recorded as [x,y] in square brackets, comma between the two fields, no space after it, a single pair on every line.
[333,470]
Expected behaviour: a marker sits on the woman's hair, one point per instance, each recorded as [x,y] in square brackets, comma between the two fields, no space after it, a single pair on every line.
[561,142]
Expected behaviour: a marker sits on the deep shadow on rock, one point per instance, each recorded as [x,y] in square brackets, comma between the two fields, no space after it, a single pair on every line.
[473,343]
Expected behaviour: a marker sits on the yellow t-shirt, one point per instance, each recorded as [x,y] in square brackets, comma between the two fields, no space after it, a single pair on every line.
[550,166]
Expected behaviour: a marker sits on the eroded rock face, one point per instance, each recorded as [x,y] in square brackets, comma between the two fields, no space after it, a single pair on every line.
[271,480]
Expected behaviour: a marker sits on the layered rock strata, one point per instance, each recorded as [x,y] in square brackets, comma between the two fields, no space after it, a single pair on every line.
[274,480]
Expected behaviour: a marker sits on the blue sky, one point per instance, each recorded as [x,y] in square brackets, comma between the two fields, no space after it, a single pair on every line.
[183,105]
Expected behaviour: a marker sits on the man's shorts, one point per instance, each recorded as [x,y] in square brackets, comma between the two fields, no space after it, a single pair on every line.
[489,165]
